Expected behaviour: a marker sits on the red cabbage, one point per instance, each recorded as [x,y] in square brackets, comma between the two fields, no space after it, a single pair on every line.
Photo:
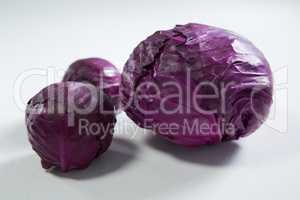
[67,125]
[96,71]
[231,76]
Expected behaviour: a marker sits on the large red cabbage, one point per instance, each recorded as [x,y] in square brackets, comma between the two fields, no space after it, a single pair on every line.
[197,84]
[67,125]
[98,72]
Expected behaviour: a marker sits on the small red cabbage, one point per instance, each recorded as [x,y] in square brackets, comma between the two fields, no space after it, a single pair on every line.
[96,71]
[66,125]
[231,77]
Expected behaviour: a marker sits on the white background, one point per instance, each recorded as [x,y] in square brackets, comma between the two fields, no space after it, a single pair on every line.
[43,34]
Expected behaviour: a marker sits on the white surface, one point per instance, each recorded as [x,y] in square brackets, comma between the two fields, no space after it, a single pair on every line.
[55,33]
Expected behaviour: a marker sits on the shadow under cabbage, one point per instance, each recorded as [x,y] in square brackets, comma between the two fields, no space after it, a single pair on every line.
[213,155]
